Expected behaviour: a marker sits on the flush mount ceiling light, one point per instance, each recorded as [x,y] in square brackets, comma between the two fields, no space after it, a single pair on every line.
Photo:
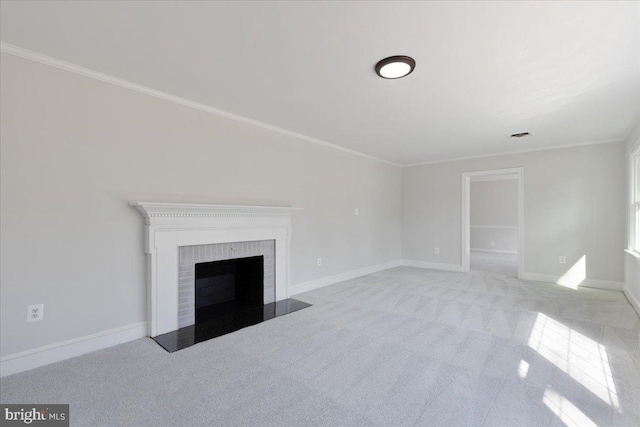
[395,67]
[520,135]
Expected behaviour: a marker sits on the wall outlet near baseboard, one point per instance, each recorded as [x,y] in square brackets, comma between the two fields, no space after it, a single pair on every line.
[35,313]
[563,260]
[493,243]
[319,262]
[437,251]
[356,211]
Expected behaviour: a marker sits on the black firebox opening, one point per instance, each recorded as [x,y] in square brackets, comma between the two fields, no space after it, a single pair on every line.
[223,287]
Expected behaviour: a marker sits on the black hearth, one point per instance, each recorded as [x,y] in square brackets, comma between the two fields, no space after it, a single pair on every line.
[229,296]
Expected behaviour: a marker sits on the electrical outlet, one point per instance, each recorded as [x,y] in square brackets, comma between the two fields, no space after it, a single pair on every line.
[357,212]
[563,260]
[437,251]
[35,313]
[493,243]
[319,262]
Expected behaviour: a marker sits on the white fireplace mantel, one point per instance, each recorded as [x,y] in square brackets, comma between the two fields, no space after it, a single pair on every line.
[171,225]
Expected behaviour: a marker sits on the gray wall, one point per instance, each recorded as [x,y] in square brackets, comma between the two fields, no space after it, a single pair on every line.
[574,202]
[492,239]
[75,151]
[494,203]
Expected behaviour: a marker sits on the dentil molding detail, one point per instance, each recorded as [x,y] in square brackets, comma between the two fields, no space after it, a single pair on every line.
[152,210]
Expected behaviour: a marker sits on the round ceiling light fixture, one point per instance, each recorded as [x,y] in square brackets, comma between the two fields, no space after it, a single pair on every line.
[395,67]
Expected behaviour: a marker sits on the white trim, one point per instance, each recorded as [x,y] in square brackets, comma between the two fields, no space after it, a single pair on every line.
[496,251]
[504,153]
[634,169]
[152,210]
[633,253]
[466,214]
[587,283]
[494,178]
[633,301]
[497,227]
[341,277]
[105,78]
[41,356]
[432,265]
[636,145]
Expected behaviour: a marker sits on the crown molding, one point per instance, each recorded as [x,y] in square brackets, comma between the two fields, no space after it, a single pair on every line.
[106,78]
[530,150]
[495,227]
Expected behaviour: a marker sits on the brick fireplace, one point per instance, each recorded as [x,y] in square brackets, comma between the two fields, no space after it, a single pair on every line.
[178,236]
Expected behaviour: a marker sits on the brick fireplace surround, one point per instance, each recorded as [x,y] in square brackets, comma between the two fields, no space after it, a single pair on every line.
[189,256]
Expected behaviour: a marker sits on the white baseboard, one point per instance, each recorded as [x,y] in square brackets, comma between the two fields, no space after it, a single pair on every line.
[432,265]
[337,278]
[495,251]
[41,356]
[635,303]
[586,283]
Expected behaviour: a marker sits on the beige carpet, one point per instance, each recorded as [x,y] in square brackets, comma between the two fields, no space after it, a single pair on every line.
[403,347]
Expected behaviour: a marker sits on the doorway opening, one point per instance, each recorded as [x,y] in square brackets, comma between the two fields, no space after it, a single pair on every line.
[492,221]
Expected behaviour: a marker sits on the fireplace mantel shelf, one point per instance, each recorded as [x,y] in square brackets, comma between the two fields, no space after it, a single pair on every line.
[187,210]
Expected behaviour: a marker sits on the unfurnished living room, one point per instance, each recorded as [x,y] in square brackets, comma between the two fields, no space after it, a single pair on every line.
[320,213]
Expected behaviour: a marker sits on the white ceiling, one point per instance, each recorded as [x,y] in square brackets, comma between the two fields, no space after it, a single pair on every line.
[568,72]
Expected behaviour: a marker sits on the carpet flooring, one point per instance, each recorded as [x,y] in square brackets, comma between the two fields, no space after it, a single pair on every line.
[493,262]
[402,347]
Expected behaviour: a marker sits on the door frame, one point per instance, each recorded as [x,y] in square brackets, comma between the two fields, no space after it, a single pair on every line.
[466,213]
